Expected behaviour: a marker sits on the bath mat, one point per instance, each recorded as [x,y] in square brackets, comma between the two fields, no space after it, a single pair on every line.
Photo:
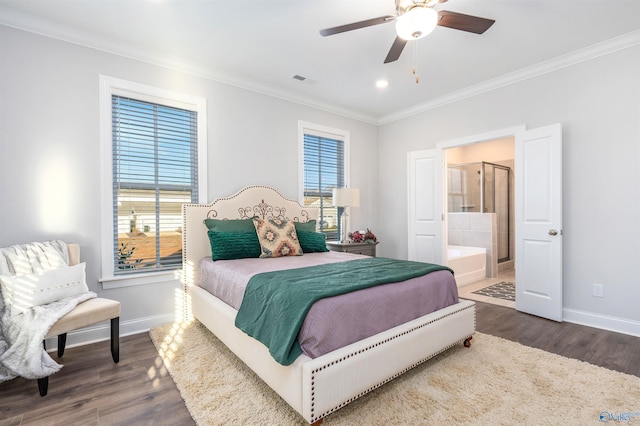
[503,290]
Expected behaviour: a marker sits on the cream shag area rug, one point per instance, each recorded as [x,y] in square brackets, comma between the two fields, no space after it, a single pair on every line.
[495,382]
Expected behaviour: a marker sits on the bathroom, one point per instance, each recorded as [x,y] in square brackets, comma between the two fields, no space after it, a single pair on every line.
[480,211]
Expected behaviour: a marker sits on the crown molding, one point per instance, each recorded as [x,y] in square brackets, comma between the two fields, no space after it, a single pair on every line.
[18,20]
[600,49]
[25,22]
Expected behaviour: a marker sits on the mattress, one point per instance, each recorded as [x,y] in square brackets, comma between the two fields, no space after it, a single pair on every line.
[334,322]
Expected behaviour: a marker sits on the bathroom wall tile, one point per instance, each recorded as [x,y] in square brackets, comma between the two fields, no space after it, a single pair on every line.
[478,238]
[463,221]
[453,221]
[480,221]
[455,237]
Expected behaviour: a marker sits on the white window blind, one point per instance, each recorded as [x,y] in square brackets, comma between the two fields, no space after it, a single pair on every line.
[323,171]
[155,171]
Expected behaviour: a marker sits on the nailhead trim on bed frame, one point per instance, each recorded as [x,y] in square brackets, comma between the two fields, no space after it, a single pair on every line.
[315,418]
[263,209]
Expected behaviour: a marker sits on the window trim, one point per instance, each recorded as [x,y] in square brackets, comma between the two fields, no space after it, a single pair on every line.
[319,130]
[114,86]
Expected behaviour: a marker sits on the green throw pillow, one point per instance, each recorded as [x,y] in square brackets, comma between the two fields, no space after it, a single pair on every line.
[312,242]
[230,225]
[309,226]
[234,245]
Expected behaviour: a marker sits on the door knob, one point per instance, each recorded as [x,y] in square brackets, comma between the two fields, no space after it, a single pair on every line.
[553,232]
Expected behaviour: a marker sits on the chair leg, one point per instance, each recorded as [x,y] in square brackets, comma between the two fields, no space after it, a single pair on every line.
[43,385]
[62,341]
[115,339]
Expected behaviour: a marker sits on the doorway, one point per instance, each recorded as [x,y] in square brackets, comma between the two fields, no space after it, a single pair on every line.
[538,211]
[480,213]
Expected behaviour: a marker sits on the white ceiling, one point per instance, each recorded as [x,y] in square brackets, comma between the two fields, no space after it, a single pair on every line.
[261,44]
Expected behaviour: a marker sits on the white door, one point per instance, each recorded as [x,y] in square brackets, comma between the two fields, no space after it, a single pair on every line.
[538,164]
[425,206]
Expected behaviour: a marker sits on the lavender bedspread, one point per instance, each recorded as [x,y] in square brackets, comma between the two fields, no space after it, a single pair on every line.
[337,321]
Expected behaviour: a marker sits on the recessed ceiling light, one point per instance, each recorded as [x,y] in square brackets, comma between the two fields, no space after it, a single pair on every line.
[381,84]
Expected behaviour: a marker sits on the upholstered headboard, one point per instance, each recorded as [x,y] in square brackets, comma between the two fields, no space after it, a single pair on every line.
[261,201]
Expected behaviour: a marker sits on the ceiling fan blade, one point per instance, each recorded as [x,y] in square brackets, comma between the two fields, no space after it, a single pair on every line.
[396,50]
[356,25]
[460,21]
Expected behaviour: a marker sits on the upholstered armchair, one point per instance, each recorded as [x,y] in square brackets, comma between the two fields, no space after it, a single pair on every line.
[37,289]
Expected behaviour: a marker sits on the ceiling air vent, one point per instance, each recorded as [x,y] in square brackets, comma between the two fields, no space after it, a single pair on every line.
[299,77]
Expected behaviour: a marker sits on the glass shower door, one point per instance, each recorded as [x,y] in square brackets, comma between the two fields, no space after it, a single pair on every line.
[501,200]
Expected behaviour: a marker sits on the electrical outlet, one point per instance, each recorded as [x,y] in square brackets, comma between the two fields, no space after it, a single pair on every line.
[598,290]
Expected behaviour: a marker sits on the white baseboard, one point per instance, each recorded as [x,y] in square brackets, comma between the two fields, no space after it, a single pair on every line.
[102,331]
[619,325]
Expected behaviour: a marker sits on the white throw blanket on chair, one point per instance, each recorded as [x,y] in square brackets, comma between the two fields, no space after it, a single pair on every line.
[21,335]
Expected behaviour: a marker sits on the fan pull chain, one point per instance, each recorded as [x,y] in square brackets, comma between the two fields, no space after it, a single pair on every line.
[415,54]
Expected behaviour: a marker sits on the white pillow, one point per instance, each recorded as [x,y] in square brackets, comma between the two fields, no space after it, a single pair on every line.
[22,292]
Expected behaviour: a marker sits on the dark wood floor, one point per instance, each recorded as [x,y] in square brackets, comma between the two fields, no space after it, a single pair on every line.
[92,390]
[614,351]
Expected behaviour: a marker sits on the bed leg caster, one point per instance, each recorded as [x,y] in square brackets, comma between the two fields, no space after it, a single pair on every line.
[467,342]
[317,422]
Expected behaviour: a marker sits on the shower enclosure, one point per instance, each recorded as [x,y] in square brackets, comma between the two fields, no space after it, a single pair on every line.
[483,187]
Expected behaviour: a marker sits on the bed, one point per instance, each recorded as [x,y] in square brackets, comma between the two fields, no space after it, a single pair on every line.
[314,387]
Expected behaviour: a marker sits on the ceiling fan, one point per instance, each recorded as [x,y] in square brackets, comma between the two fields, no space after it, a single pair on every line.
[415,19]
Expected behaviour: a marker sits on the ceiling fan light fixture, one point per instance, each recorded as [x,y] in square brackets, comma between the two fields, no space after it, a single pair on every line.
[416,23]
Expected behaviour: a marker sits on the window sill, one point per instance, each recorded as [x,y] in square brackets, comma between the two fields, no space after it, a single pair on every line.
[141,279]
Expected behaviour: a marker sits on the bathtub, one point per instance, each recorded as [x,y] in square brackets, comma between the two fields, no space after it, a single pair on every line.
[468,263]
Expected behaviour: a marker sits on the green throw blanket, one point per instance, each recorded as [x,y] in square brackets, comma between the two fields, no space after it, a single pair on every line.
[275,303]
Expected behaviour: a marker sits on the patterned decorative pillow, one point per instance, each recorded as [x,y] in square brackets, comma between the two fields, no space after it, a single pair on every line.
[312,242]
[277,238]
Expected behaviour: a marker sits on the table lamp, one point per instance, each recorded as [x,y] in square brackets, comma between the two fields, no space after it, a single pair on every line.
[345,198]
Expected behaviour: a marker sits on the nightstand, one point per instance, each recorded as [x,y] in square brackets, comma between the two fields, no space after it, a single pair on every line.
[368,249]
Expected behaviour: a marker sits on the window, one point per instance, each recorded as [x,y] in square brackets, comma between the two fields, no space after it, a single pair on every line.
[324,161]
[155,167]
[456,178]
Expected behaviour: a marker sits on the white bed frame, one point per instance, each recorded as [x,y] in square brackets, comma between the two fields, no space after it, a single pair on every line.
[313,387]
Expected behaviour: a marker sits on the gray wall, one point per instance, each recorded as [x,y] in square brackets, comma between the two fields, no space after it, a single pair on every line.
[50,151]
[50,165]
[598,103]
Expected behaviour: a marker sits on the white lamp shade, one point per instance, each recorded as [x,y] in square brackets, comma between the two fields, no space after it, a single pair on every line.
[346,197]
[416,23]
